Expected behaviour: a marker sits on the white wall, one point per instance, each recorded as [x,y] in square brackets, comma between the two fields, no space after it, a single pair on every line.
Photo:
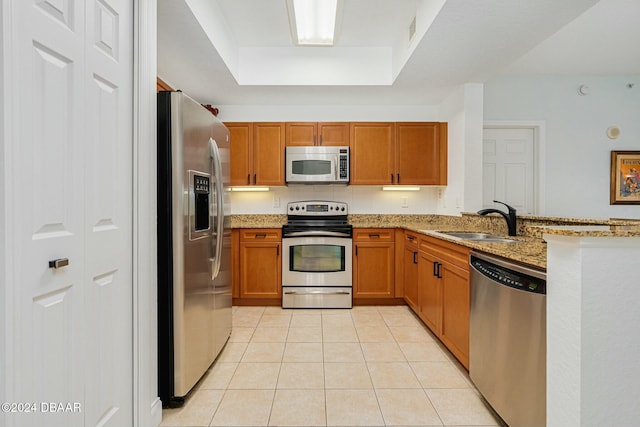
[361,199]
[3,290]
[577,160]
[463,111]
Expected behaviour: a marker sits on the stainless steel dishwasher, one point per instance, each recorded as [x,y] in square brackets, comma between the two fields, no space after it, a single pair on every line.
[507,338]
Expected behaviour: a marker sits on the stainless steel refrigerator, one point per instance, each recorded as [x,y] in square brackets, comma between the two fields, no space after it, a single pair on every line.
[194,243]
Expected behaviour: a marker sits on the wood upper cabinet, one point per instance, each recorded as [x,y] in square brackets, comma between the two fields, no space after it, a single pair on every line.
[257,153]
[268,153]
[260,263]
[421,153]
[241,141]
[372,153]
[162,85]
[312,133]
[411,153]
[374,263]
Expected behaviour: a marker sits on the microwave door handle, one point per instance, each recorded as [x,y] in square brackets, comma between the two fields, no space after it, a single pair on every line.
[336,165]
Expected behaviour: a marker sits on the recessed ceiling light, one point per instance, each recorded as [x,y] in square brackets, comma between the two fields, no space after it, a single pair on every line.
[314,22]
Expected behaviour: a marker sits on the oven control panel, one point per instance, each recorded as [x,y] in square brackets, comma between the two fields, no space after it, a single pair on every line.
[316,208]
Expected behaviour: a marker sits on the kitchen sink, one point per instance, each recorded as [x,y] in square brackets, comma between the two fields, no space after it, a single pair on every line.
[477,237]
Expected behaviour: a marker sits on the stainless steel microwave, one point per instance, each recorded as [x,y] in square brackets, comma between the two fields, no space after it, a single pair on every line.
[317,165]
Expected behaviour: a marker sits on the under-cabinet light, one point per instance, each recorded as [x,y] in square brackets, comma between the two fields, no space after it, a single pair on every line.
[246,189]
[313,22]
[400,188]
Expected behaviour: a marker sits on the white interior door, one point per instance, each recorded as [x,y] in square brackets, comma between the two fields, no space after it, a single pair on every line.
[71,173]
[508,168]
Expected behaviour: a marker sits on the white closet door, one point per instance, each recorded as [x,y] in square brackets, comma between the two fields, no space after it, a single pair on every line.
[508,168]
[71,162]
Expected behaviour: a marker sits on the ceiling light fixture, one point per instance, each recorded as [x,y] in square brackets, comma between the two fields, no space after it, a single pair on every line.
[314,22]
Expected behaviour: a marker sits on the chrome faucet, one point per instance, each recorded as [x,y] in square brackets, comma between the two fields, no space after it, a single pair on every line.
[509,217]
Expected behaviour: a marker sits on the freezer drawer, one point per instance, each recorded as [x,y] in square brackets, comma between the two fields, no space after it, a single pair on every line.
[316,297]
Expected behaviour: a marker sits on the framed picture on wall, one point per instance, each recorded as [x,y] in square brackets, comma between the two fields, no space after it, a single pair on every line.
[625,178]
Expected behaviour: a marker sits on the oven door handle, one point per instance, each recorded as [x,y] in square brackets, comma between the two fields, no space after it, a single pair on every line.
[316,293]
[315,233]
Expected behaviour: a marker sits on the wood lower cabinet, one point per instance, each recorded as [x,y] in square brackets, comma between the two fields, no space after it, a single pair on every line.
[410,258]
[444,293]
[455,311]
[429,292]
[259,264]
[319,134]
[374,263]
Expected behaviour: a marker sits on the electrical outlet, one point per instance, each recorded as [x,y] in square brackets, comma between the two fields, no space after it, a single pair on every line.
[405,202]
[276,201]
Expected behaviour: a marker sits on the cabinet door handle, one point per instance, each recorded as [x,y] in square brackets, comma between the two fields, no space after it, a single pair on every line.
[398,178]
[254,179]
[356,250]
[392,178]
[314,140]
[438,271]
[415,261]
[320,140]
[248,179]
[278,250]
[435,268]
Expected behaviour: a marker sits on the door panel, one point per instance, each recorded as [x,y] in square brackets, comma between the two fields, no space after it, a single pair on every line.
[72,151]
[48,160]
[108,206]
[508,168]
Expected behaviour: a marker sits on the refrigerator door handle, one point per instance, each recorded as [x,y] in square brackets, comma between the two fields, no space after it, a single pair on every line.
[216,171]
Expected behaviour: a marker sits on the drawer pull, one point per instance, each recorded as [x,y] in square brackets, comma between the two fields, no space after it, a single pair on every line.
[261,235]
[374,236]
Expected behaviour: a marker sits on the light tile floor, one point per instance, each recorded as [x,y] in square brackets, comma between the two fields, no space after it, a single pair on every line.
[368,366]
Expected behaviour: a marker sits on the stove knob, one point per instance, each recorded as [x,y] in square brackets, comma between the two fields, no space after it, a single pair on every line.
[342,208]
[330,208]
[297,208]
[290,208]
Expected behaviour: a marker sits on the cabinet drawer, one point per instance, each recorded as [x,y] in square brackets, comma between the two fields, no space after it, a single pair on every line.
[260,234]
[411,239]
[457,255]
[374,235]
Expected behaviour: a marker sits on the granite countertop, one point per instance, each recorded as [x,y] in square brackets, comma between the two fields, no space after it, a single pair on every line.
[529,246]
[588,230]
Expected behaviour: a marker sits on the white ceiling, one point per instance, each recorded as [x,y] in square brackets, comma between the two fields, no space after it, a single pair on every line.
[239,52]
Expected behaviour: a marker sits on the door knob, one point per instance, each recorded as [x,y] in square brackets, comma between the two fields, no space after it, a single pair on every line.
[58,263]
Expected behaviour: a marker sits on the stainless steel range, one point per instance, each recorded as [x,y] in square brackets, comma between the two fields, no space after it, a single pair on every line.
[317,256]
